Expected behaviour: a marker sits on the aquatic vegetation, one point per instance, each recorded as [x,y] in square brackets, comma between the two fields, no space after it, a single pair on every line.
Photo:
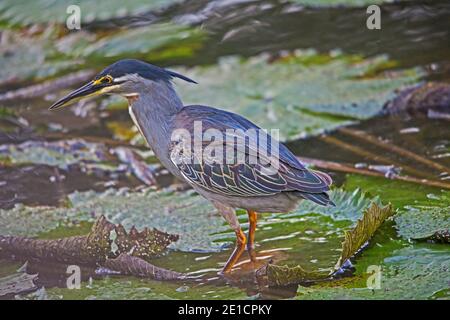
[421,222]
[33,221]
[349,205]
[16,52]
[422,211]
[305,97]
[414,272]
[133,288]
[155,42]
[60,153]
[55,50]
[229,47]
[309,230]
[189,216]
[354,240]
[89,156]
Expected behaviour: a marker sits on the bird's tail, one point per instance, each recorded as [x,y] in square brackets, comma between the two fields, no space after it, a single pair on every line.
[323,176]
[320,198]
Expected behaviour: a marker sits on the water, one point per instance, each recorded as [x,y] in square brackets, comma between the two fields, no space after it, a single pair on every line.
[413,35]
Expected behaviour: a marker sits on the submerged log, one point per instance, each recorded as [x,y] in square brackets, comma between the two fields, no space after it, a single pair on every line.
[107,245]
[430,98]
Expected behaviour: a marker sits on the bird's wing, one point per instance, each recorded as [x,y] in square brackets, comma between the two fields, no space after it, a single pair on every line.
[250,172]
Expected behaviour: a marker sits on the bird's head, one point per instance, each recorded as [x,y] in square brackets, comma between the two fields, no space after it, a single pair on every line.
[125,77]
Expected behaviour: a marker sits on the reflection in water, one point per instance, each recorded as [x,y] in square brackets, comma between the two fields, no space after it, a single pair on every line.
[269,26]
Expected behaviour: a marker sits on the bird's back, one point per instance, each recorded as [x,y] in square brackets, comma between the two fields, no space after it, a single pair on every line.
[248,179]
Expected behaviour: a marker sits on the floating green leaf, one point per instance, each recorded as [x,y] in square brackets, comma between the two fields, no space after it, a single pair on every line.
[144,289]
[54,54]
[17,51]
[349,205]
[365,228]
[422,210]
[185,214]
[30,221]
[414,272]
[285,275]
[421,222]
[154,43]
[58,153]
[305,97]
[399,193]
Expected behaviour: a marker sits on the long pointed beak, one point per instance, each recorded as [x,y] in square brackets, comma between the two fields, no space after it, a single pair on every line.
[87,90]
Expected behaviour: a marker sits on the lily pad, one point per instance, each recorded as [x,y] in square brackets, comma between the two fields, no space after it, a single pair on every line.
[31,221]
[15,56]
[422,210]
[137,289]
[54,54]
[307,97]
[154,43]
[365,228]
[22,12]
[414,272]
[60,153]
[185,214]
[421,222]
[348,205]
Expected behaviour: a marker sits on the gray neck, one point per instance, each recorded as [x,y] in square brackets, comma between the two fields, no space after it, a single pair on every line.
[153,112]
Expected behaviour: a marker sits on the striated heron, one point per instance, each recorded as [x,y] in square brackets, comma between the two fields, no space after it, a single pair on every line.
[246,179]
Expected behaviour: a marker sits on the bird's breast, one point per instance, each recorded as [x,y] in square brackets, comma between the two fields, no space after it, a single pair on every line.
[136,123]
[155,137]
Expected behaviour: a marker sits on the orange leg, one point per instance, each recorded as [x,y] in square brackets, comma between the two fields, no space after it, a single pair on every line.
[252,217]
[241,240]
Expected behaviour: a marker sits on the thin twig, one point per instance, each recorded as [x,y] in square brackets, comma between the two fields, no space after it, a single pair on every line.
[347,168]
[40,89]
[393,148]
[335,141]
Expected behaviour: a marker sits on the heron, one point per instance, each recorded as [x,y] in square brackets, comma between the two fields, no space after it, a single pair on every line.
[252,179]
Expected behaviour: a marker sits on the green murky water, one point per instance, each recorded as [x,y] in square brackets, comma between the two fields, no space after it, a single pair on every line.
[312,69]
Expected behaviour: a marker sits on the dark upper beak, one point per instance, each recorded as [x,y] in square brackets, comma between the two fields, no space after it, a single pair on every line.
[88,89]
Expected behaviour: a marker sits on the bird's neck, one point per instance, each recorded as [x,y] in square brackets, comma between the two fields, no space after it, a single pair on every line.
[152,111]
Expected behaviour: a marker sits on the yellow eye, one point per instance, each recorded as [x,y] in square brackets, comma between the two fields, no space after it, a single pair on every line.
[103,80]
[107,79]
